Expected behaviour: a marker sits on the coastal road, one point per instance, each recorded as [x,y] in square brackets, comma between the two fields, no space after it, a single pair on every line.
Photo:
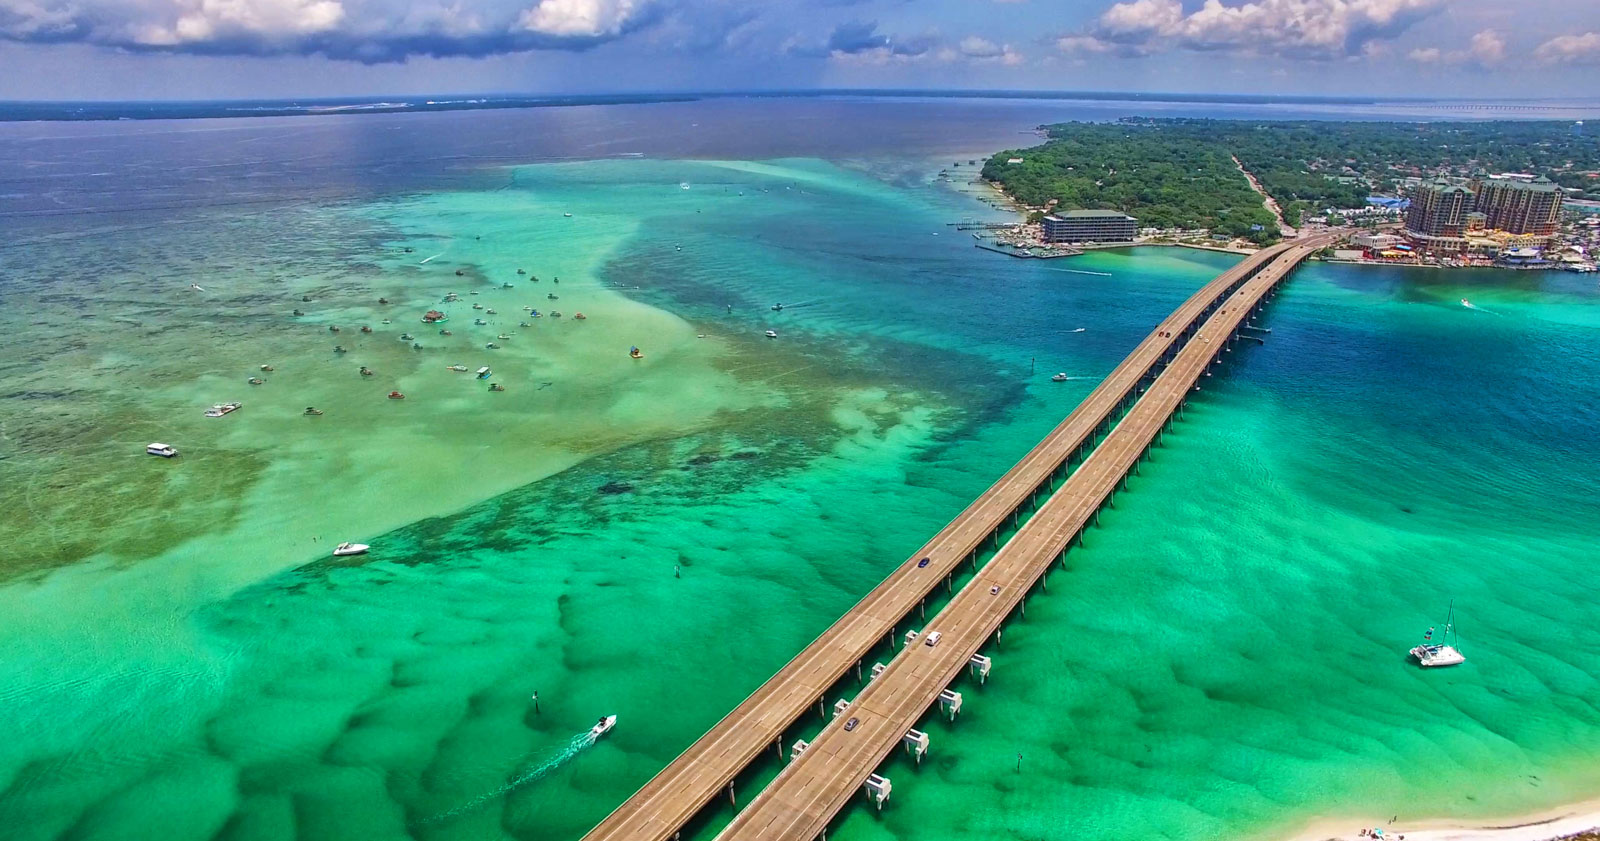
[805,796]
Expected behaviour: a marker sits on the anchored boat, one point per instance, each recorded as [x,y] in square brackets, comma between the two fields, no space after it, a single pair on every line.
[221,409]
[1430,654]
[346,549]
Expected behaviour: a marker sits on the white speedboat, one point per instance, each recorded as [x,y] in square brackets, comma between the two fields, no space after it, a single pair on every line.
[347,549]
[1059,378]
[1431,654]
[772,334]
[163,450]
[602,727]
[461,368]
[221,409]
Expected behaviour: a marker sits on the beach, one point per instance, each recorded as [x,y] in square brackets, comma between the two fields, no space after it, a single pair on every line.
[1572,820]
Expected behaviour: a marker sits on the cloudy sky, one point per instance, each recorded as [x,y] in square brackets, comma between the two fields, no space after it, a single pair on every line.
[246,48]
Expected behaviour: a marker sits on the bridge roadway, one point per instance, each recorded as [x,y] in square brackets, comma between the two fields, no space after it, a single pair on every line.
[671,798]
[805,796]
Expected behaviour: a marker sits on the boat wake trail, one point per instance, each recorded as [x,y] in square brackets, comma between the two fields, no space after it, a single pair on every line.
[430,259]
[539,769]
[1082,271]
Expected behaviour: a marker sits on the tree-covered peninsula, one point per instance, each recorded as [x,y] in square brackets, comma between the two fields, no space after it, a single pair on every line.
[1179,172]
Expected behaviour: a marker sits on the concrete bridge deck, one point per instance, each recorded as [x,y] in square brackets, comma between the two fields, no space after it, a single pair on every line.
[672,798]
[806,795]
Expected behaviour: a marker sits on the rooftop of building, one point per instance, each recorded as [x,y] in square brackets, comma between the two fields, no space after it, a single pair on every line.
[1537,185]
[1090,214]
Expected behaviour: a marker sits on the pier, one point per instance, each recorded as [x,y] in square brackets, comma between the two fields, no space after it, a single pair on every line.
[1072,469]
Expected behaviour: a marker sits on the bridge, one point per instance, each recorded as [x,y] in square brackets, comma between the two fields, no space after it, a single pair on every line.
[1072,467]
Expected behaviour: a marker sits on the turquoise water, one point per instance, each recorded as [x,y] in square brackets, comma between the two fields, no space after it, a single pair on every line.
[653,538]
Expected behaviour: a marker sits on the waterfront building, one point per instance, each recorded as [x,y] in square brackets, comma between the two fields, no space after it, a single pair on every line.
[1375,241]
[1090,226]
[1531,208]
[1437,217]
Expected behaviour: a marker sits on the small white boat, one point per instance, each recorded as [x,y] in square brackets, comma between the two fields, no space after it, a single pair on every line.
[772,334]
[347,549]
[221,409]
[163,450]
[1430,654]
[458,367]
[1059,378]
[1079,330]
[1466,303]
[568,215]
[602,727]
[483,373]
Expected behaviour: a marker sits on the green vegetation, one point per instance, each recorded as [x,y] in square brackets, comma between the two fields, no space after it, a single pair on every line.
[1169,172]
[1146,174]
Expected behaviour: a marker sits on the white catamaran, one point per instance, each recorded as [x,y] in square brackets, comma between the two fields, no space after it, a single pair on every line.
[1444,652]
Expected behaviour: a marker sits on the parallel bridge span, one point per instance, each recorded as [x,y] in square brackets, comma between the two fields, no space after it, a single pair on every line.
[673,797]
[805,796]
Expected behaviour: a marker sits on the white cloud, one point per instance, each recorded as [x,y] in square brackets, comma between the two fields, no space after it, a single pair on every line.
[1570,49]
[207,20]
[982,49]
[1486,49]
[1293,28]
[579,18]
[359,30]
[1083,44]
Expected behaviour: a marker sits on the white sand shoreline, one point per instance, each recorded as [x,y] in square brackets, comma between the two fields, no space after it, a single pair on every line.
[1559,822]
